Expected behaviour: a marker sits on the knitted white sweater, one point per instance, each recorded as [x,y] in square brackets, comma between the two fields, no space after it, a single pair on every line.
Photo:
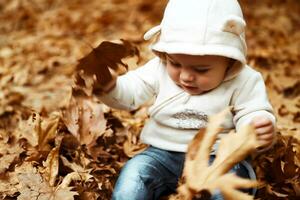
[176,116]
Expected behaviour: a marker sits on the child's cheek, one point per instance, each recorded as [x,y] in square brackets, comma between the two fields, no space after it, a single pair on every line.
[205,82]
[174,74]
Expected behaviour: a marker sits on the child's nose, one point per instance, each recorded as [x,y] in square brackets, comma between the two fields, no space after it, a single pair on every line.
[186,75]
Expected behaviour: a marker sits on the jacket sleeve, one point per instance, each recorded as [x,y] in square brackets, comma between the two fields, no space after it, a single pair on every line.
[251,101]
[135,87]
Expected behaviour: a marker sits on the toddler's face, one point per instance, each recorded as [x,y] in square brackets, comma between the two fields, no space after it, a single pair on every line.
[197,74]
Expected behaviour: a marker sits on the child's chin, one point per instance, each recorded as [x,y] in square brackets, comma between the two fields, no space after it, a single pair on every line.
[193,91]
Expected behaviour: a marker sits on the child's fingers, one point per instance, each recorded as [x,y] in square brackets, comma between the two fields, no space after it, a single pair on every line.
[264,129]
[78,80]
[266,137]
[105,88]
[261,122]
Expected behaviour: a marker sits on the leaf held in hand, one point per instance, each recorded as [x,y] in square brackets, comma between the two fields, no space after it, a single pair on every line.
[106,55]
[233,148]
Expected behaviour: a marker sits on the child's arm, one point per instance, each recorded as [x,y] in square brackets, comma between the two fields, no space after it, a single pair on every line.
[135,87]
[251,106]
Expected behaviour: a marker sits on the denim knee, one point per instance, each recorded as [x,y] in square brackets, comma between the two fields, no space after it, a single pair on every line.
[136,180]
[130,189]
[148,175]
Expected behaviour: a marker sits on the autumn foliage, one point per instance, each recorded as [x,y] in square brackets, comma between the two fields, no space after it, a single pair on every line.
[199,176]
[59,144]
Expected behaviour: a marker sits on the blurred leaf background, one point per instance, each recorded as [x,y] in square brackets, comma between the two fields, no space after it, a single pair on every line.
[40,43]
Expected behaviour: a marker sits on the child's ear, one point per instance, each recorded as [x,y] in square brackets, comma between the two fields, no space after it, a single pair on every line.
[234,24]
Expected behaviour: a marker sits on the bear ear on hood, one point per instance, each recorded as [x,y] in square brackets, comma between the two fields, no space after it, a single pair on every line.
[153,31]
[234,24]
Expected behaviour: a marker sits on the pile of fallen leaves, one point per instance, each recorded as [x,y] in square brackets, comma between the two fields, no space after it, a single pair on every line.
[48,151]
[274,49]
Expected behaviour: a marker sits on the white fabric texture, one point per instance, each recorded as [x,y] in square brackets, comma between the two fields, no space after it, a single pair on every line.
[176,116]
[193,27]
[202,27]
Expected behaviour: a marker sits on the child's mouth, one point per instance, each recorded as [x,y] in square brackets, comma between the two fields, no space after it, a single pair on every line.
[189,87]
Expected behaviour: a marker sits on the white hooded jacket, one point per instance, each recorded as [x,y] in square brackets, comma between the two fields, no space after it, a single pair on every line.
[176,116]
[194,27]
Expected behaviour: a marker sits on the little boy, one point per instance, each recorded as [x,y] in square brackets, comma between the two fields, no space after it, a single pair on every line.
[199,70]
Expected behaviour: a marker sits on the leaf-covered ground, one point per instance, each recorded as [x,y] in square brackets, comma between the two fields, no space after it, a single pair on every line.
[40,43]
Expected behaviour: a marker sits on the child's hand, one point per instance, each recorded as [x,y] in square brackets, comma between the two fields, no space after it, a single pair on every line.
[104,62]
[105,86]
[265,131]
[100,86]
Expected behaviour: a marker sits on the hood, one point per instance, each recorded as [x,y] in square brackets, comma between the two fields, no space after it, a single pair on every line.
[202,27]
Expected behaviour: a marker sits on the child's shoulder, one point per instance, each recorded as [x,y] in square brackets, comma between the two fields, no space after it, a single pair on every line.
[248,70]
[247,77]
[248,73]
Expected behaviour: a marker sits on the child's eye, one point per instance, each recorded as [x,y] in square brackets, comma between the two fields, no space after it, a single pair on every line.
[175,64]
[201,71]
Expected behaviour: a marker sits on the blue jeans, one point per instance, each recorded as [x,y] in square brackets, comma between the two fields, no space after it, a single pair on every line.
[155,173]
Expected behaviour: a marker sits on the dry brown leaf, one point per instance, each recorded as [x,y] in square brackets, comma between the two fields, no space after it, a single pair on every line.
[106,55]
[41,40]
[49,130]
[71,117]
[50,170]
[44,96]
[200,176]
[75,176]
[8,186]
[89,196]
[230,152]
[9,154]
[84,118]
[132,146]
[292,91]
[37,131]
[280,168]
[75,167]
[93,123]
[98,150]
[229,190]
[132,129]
[33,186]
[8,99]
[30,129]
